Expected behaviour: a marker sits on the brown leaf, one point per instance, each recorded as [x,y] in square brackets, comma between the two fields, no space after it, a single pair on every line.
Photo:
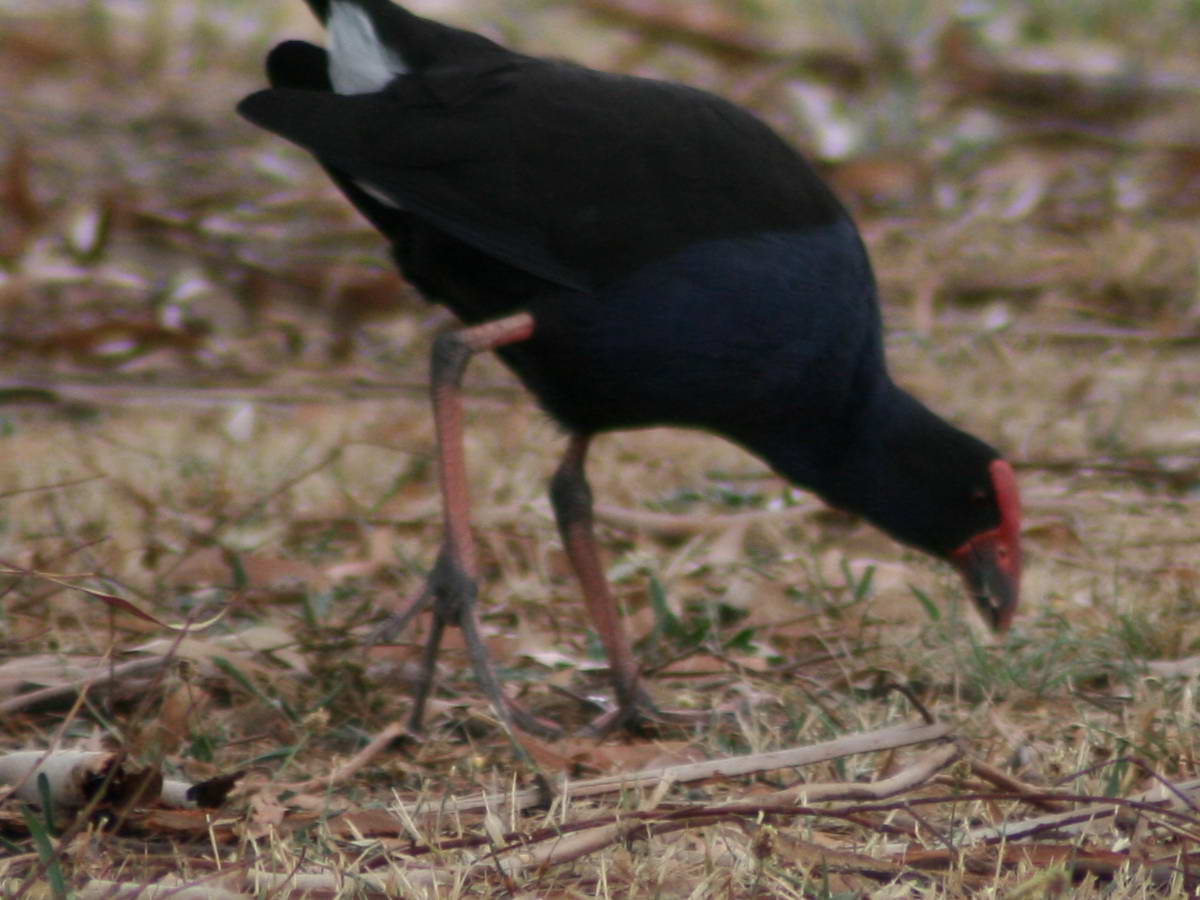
[977,73]
[20,213]
[882,183]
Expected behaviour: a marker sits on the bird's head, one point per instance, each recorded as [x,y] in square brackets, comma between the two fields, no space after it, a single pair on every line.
[937,488]
[990,561]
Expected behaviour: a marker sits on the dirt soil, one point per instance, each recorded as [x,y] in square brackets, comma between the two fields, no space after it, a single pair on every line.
[216,478]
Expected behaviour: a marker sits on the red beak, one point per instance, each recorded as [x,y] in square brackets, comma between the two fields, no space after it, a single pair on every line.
[990,562]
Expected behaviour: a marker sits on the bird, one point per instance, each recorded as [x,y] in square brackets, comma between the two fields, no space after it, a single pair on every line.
[639,253]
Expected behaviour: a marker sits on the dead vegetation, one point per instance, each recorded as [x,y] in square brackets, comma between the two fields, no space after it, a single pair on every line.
[217,474]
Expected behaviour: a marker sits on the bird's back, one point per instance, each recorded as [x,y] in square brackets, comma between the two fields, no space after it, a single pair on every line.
[684,263]
[571,175]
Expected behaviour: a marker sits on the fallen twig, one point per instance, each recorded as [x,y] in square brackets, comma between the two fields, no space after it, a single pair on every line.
[346,770]
[672,525]
[142,666]
[1006,782]
[594,839]
[729,767]
[563,844]
[914,775]
[1158,800]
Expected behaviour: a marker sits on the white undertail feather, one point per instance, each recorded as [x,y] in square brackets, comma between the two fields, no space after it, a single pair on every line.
[359,63]
[372,191]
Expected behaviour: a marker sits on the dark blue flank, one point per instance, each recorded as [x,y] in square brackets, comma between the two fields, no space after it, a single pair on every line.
[712,337]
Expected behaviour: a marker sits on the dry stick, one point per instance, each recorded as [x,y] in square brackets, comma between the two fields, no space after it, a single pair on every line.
[555,849]
[1085,333]
[73,482]
[403,882]
[916,774]
[133,667]
[729,767]
[1006,782]
[20,572]
[670,525]
[1174,668]
[66,773]
[1098,808]
[661,821]
[217,884]
[1151,773]
[911,696]
[1172,477]
[506,802]
[1064,821]
[919,773]
[1045,857]
[57,740]
[346,770]
[204,396]
[172,888]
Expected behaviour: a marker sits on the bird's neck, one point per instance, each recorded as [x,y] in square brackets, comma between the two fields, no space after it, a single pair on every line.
[878,461]
[892,435]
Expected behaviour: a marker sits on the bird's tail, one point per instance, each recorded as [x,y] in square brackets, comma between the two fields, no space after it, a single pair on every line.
[372,42]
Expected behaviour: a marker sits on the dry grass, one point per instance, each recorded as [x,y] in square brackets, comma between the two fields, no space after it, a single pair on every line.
[213,401]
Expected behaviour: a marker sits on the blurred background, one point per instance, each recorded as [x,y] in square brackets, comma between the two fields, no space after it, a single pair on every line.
[1014,165]
[212,384]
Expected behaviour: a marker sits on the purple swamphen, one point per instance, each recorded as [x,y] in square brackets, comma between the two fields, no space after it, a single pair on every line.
[639,253]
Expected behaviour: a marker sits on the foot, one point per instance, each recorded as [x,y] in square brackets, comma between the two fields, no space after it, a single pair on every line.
[638,714]
[451,593]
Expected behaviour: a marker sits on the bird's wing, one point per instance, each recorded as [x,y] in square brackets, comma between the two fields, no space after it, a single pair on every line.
[573,175]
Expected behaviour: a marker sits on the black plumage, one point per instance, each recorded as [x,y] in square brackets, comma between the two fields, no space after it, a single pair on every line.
[680,262]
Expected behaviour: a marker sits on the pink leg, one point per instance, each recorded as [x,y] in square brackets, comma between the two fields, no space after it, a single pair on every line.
[572,500]
[451,588]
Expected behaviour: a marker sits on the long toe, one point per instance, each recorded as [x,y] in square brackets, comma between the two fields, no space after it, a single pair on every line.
[641,716]
[398,621]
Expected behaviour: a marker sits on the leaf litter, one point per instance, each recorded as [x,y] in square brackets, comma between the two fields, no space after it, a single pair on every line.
[212,401]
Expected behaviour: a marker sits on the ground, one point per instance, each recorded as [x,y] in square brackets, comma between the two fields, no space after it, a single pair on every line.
[213,404]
